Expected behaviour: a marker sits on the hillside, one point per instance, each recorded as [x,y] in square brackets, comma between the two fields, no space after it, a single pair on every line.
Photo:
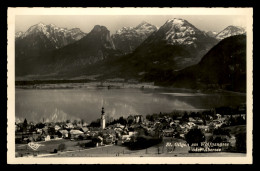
[224,67]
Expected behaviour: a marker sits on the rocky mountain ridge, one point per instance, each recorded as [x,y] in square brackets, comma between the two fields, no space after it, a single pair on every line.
[230,31]
[127,39]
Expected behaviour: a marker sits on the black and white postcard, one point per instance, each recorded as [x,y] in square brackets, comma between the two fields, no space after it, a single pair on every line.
[130,85]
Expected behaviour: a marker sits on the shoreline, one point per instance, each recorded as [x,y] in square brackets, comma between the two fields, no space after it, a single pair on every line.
[118,85]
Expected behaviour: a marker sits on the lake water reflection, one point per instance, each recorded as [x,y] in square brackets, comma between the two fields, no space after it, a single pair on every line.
[62,104]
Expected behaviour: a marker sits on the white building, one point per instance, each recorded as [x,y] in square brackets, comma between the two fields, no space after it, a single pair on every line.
[103,119]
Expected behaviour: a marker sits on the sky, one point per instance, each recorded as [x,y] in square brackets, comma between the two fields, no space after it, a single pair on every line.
[114,22]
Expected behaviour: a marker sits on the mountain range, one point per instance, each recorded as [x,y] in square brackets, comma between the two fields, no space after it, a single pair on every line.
[54,37]
[144,52]
[35,45]
[127,39]
[95,47]
[176,45]
[224,67]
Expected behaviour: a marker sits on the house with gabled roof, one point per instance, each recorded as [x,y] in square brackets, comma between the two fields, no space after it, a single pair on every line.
[75,133]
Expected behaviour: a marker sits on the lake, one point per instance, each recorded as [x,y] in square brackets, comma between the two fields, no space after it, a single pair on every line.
[86,103]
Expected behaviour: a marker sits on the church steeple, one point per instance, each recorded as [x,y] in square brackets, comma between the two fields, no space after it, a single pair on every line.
[102,112]
[103,120]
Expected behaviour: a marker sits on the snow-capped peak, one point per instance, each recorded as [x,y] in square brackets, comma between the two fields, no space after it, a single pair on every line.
[40,27]
[176,21]
[230,31]
[124,29]
[142,28]
[128,38]
[57,35]
[145,28]
[179,31]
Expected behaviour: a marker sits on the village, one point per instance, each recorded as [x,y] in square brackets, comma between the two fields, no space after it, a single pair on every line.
[134,132]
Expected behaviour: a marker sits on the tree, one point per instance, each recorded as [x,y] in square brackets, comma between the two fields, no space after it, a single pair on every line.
[80,137]
[109,119]
[218,140]
[218,135]
[25,124]
[61,147]
[51,130]
[240,121]
[177,135]
[130,119]
[195,136]
[95,123]
[96,140]
[40,125]
[232,121]
[193,114]
[204,121]
[122,121]
[241,142]
[221,131]
[82,121]
[185,117]
[75,122]
[32,128]
[150,118]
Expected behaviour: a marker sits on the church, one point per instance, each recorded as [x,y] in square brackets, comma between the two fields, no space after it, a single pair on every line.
[103,119]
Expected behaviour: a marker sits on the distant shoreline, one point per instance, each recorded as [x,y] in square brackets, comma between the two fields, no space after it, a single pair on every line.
[81,84]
